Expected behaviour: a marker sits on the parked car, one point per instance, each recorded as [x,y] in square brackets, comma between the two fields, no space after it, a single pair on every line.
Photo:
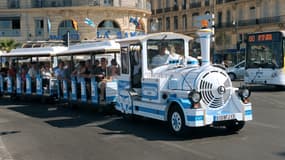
[237,71]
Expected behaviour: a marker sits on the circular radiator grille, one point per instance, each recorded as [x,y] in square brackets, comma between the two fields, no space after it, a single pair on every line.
[215,88]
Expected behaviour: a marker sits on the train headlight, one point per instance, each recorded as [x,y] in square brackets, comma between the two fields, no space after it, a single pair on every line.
[195,98]
[244,93]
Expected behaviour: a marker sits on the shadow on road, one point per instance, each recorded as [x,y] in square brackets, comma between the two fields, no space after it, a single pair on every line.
[64,117]
[260,87]
[266,88]
[8,132]
[58,115]
[282,154]
[156,130]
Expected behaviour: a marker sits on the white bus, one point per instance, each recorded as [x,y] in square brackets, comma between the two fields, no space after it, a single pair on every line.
[265,58]
[179,90]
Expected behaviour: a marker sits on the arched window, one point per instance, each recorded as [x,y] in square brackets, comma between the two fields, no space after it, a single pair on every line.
[108,27]
[66,26]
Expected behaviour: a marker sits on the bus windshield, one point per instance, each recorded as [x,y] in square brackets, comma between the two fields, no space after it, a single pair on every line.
[264,55]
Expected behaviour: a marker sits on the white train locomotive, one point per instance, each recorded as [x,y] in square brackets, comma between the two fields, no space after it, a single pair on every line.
[160,80]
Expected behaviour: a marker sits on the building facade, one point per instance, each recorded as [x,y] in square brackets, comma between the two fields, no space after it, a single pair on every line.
[36,20]
[233,19]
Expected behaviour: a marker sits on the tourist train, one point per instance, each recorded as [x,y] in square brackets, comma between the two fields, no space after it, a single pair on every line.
[153,76]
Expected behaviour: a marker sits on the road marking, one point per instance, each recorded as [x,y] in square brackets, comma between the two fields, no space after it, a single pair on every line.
[4,154]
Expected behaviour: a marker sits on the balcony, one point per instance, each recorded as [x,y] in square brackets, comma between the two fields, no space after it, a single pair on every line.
[219,1]
[10,33]
[143,4]
[226,1]
[160,10]
[175,8]
[195,5]
[168,9]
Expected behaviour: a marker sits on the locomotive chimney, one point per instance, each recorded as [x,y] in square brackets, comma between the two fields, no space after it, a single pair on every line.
[205,39]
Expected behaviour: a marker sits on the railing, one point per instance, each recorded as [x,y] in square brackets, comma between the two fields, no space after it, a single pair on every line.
[144,4]
[250,22]
[219,1]
[168,9]
[160,10]
[226,1]
[10,32]
[175,8]
[195,5]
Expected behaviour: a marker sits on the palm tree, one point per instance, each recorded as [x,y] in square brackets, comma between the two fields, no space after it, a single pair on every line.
[8,44]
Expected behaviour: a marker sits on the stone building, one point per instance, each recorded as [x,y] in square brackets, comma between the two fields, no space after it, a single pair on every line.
[37,20]
[233,19]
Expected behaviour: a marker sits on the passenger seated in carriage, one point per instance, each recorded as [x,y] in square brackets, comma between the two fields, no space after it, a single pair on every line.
[103,74]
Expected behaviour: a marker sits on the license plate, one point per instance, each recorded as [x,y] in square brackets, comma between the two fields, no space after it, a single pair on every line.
[225,117]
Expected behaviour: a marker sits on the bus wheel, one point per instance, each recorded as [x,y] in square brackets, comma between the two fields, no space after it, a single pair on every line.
[176,121]
[234,126]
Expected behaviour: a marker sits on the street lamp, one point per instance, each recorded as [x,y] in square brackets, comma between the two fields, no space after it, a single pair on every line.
[238,41]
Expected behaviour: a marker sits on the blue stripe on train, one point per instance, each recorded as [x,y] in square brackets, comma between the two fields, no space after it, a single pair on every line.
[195,118]
[248,112]
[150,110]
[110,99]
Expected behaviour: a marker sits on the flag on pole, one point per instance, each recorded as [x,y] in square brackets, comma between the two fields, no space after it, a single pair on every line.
[74,25]
[89,22]
[48,25]
[134,21]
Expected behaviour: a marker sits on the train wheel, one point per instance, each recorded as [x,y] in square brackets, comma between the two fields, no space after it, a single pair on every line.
[176,121]
[235,126]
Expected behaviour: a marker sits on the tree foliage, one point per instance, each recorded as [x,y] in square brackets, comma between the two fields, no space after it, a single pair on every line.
[8,44]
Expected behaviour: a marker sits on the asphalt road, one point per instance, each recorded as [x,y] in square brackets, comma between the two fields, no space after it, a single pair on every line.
[35,131]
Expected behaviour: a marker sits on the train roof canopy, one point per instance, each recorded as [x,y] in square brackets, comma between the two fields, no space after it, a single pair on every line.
[37,52]
[161,35]
[93,47]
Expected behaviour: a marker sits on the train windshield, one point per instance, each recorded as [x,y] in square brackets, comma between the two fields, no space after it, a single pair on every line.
[159,51]
[264,55]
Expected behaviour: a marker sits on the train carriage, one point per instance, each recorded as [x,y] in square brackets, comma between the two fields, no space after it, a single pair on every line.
[84,89]
[21,83]
[173,87]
